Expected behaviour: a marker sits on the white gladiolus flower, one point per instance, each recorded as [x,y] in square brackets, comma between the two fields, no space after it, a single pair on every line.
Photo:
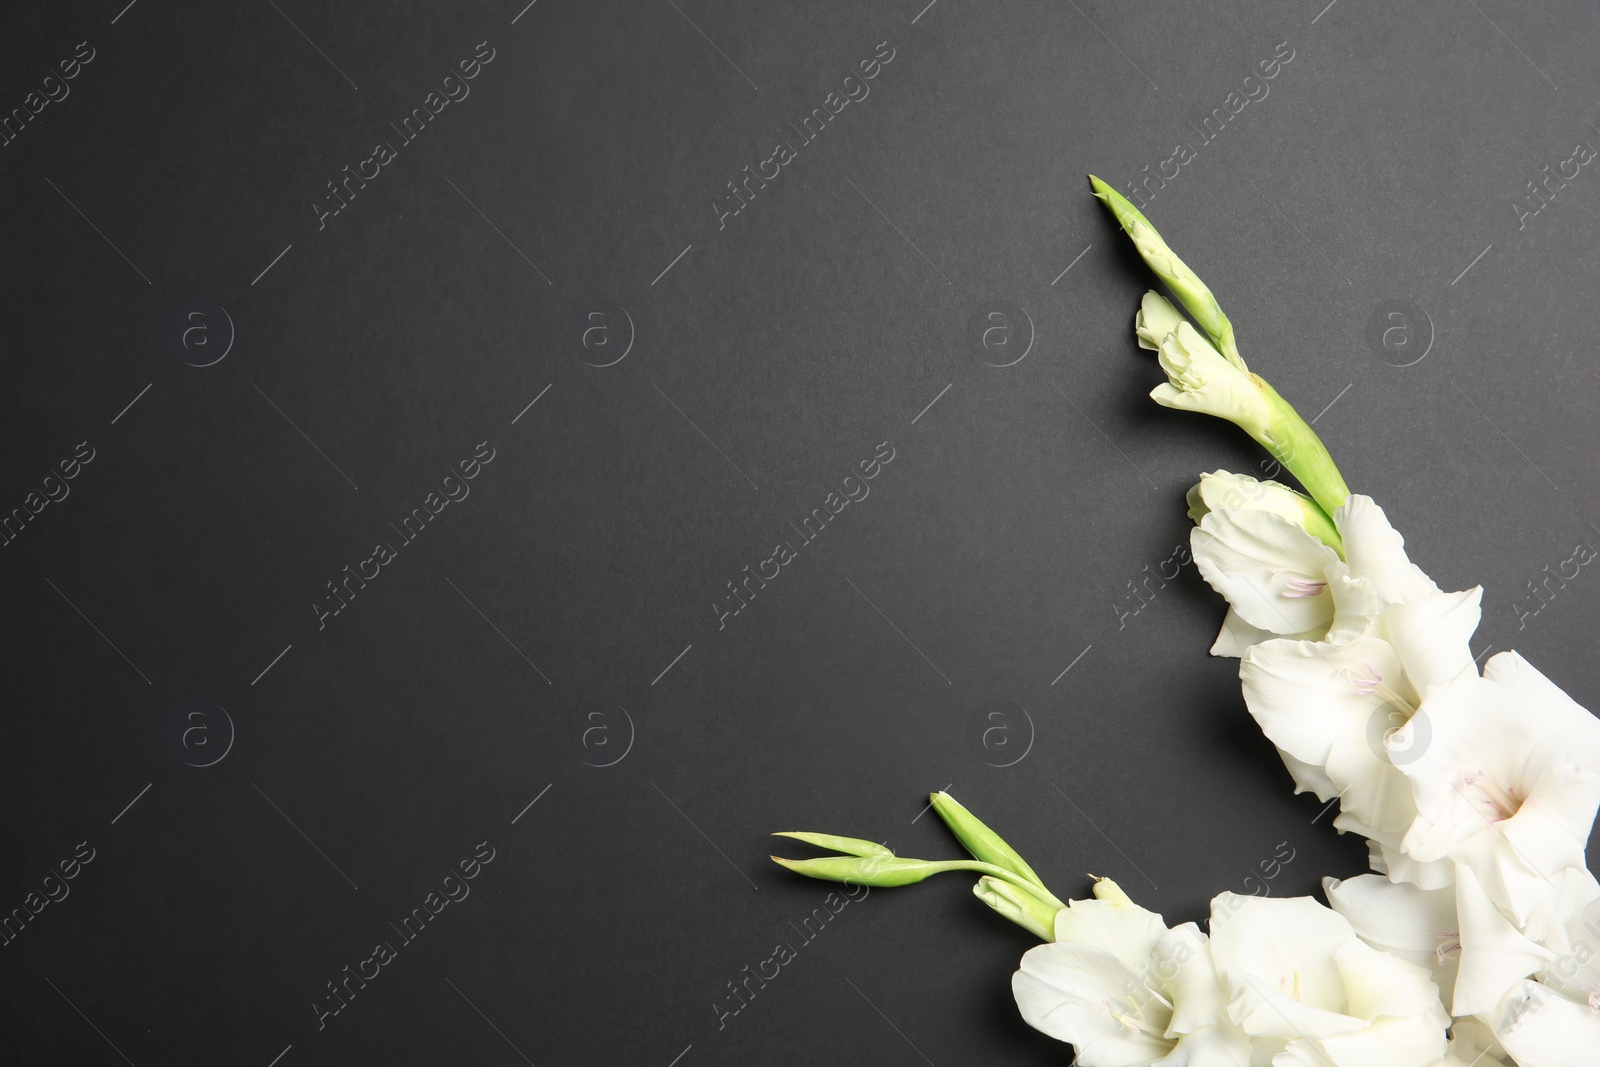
[1268,550]
[1126,990]
[1331,699]
[1505,772]
[1273,574]
[1299,977]
[1332,707]
[1474,953]
[1272,554]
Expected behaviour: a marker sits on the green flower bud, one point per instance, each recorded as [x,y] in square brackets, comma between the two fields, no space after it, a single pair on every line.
[850,846]
[1185,284]
[1018,905]
[984,844]
[878,871]
[1210,376]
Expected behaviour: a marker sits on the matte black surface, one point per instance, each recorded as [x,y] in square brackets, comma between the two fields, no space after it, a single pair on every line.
[565,614]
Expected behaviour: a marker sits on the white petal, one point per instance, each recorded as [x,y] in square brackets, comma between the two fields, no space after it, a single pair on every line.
[1373,791]
[1155,319]
[1183,961]
[1309,778]
[1237,636]
[1576,970]
[1378,984]
[1355,604]
[1126,931]
[1414,1041]
[1277,957]
[1377,552]
[1223,1045]
[1494,956]
[1332,706]
[1307,696]
[1076,993]
[1566,726]
[1541,1028]
[1390,860]
[1433,636]
[1551,829]
[1417,925]
[1268,569]
[1473,1044]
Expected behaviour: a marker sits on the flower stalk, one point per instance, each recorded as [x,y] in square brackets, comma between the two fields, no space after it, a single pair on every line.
[1206,373]
[1008,885]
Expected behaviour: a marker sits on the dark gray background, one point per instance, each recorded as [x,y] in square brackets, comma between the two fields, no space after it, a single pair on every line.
[995,549]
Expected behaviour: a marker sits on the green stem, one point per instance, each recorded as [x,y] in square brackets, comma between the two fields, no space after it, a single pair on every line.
[1293,443]
[1032,888]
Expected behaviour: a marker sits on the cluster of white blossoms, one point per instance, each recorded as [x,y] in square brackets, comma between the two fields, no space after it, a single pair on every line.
[1287,982]
[1477,939]
[1475,942]
[1476,792]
